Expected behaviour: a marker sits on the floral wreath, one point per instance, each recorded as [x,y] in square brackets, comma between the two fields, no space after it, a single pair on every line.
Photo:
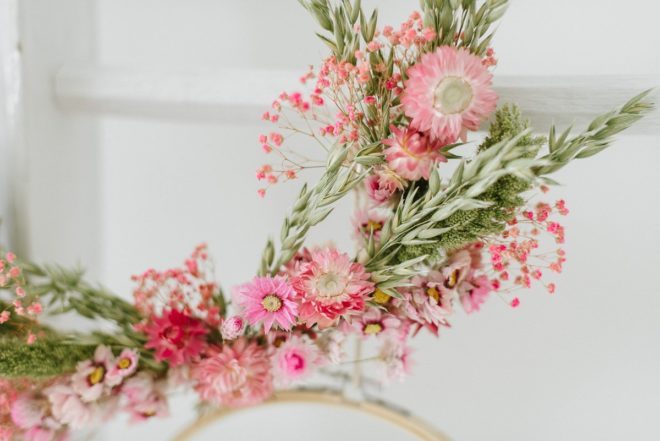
[442,224]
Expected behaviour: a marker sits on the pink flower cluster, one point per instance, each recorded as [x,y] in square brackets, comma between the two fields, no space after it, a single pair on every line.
[190,289]
[24,305]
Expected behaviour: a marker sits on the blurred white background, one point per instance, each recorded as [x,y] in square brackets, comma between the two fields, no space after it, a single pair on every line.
[122,193]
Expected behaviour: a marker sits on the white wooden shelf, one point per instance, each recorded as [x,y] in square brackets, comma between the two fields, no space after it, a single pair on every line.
[240,96]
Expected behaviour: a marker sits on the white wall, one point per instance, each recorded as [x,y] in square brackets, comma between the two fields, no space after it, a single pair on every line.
[579,365]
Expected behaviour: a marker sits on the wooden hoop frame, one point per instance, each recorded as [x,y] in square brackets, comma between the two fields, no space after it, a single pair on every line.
[410,424]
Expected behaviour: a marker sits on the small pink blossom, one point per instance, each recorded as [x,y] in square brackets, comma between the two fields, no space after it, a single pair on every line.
[89,380]
[474,292]
[68,407]
[368,223]
[232,327]
[268,300]
[395,356]
[144,397]
[123,366]
[382,185]
[4,316]
[411,154]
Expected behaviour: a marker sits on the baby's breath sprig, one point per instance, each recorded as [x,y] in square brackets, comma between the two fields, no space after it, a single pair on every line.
[315,204]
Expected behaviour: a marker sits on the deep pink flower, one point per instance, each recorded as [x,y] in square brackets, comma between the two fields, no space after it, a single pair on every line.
[447,92]
[411,154]
[236,375]
[295,360]
[331,286]
[382,185]
[176,337]
[268,300]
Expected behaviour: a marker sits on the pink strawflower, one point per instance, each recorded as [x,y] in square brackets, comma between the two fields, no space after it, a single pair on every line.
[68,408]
[176,337]
[232,327]
[370,222]
[411,154]
[123,366]
[382,185]
[447,92]
[295,360]
[268,300]
[331,286]
[474,292]
[89,380]
[460,264]
[236,375]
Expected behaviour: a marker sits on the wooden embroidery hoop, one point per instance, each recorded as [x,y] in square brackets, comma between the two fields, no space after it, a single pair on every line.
[408,423]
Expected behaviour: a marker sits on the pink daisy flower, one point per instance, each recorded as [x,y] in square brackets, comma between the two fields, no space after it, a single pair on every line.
[448,92]
[90,379]
[237,375]
[331,286]
[411,154]
[295,360]
[268,300]
[144,398]
[176,337]
[382,185]
[124,365]
[379,323]
[427,303]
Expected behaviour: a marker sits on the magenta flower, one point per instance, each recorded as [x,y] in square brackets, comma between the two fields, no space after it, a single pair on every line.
[268,300]
[296,359]
[175,336]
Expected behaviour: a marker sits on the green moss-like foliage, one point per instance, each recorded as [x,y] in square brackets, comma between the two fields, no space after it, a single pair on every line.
[469,226]
[44,358]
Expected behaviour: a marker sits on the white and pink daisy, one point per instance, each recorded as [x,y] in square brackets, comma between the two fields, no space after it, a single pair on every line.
[395,356]
[331,286]
[458,268]
[411,154]
[370,222]
[448,92]
[382,185]
[428,302]
[378,323]
[235,376]
[144,398]
[124,366]
[89,381]
[268,300]
[295,360]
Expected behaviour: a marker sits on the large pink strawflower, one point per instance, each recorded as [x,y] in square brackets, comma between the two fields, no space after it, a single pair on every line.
[175,336]
[331,286]
[411,154]
[235,376]
[268,300]
[448,92]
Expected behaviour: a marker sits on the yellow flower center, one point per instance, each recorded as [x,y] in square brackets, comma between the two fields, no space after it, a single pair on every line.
[96,376]
[373,328]
[452,279]
[372,226]
[124,363]
[434,294]
[271,303]
[381,298]
[452,95]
